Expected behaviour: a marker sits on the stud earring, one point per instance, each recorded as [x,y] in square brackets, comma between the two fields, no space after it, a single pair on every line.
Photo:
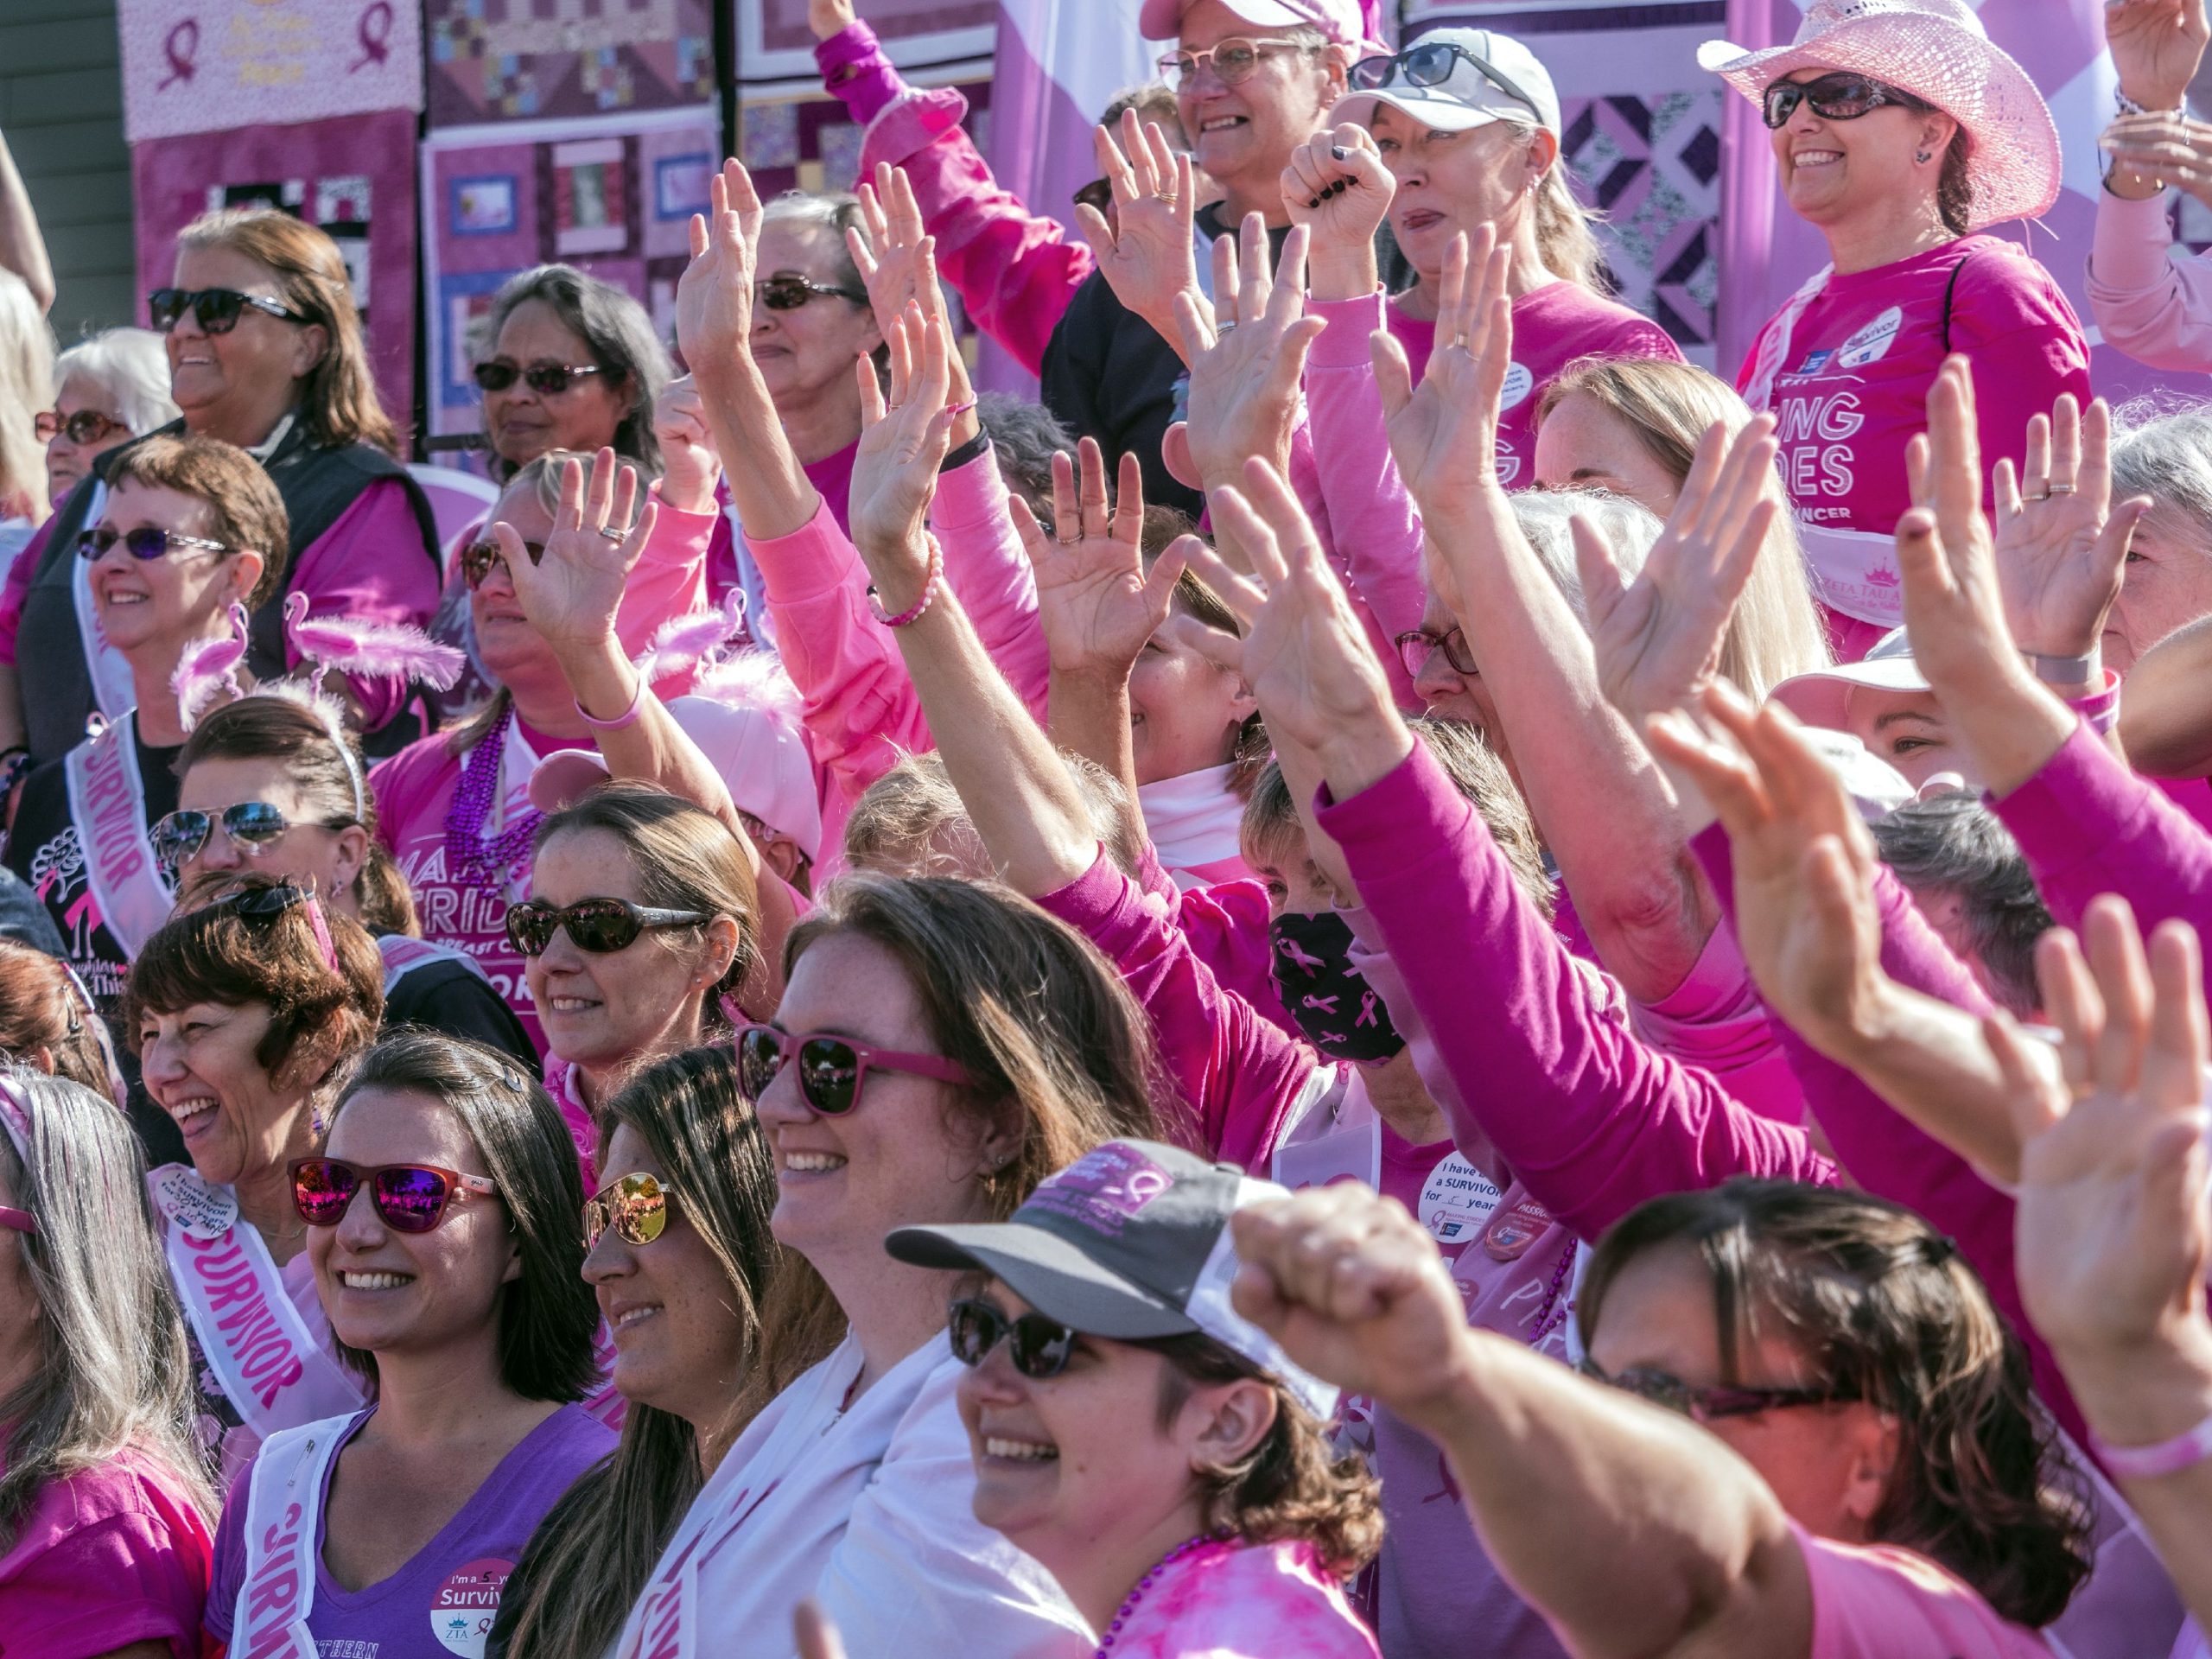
[1922,157]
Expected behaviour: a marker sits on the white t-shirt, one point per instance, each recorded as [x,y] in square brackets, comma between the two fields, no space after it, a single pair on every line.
[870,1512]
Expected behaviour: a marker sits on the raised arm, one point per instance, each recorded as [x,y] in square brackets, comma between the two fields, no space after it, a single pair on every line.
[22,247]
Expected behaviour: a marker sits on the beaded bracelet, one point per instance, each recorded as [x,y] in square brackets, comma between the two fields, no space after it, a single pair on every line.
[929,593]
[627,717]
[2167,1457]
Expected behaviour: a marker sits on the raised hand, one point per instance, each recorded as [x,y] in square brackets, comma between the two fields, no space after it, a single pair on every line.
[896,261]
[1246,358]
[1657,639]
[1354,1290]
[829,18]
[1337,185]
[894,472]
[1147,254]
[1444,432]
[571,593]
[2062,547]
[2156,46]
[1946,553]
[714,297]
[2164,149]
[691,465]
[2113,1231]
[1095,599]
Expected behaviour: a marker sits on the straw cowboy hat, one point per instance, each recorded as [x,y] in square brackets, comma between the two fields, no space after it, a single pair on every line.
[1938,51]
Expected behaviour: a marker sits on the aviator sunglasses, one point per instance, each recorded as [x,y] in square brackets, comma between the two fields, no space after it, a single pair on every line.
[1040,1348]
[409,1197]
[597,925]
[216,309]
[251,826]
[634,1205]
[1838,97]
[830,1068]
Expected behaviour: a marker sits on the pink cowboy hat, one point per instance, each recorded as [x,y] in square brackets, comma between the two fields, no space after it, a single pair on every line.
[1938,51]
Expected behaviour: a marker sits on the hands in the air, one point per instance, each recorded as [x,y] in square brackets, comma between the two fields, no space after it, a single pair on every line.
[1444,432]
[2061,546]
[714,297]
[690,466]
[572,591]
[1147,255]
[1246,356]
[1338,186]
[2156,46]
[896,261]
[1097,602]
[903,442]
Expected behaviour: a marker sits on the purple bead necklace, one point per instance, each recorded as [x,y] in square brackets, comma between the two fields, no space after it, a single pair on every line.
[1130,1602]
[469,856]
[1553,1312]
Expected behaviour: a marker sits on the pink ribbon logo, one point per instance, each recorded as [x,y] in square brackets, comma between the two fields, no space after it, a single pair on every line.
[1298,955]
[1367,1010]
[1326,1004]
[180,46]
[374,37]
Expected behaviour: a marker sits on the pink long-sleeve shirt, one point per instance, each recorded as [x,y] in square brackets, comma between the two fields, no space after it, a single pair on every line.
[2155,309]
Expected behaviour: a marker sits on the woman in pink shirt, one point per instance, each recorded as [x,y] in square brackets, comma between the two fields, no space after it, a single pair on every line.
[1830,1451]
[1900,134]
[103,1503]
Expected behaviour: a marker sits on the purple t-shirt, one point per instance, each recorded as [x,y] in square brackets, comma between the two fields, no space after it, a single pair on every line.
[434,1605]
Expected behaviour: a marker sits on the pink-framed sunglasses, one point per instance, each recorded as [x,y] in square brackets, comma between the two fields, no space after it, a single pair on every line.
[830,1068]
[20,1221]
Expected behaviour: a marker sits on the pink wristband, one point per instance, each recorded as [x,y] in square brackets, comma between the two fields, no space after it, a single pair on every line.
[929,592]
[627,717]
[2148,1462]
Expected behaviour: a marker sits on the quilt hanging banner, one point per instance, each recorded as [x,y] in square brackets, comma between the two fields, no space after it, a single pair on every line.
[194,65]
[773,43]
[540,60]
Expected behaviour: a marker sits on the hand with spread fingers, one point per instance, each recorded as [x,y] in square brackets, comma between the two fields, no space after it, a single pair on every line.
[714,297]
[572,591]
[2061,546]
[897,262]
[2156,46]
[1444,432]
[1657,639]
[1246,357]
[1095,602]
[1147,255]
[903,442]
[1337,186]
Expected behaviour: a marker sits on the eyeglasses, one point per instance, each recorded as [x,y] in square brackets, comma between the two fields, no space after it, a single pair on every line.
[635,1206]
[597,925]
[1040,1348]
[147,542]
[1234,61]
[1416,646]
[216,309]
[830,1069]
[1708,1405]
[409,1197]
[547,379]
[19,1221]
[1838,97]
[85,426]
[251,826]
[788,293]
[477,558]
[1431,64]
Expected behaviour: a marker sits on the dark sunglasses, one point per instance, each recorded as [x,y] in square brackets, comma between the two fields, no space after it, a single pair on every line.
[1430,64]
[596,925]
[1838,97]
[147,542]
[85,426]
[1098,193]
[1234,61]
[547,379]
[1040,1348]
[1417,645]
[216,309]
[830,1069]
[409,1197]
[788,293]
[251,826]
[635,1206]
[477,558]
[1708,1405]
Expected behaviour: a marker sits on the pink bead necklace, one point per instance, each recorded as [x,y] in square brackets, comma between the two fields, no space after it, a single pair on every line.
[1136,1594]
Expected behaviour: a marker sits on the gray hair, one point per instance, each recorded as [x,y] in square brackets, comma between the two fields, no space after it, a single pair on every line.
[617,331]
[1546,516]
[1025,436]
[131,368]
[830,214]
[2163,449]
[912,821]
[26,378]
[1952,843]
[115,1369]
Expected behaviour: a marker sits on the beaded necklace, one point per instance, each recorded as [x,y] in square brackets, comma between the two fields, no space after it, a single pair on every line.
[1552,1314]
[1136,1594]
[469,856]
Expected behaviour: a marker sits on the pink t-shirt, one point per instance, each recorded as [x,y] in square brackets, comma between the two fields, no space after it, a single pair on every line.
[1552,326]
[1879,1602]
[113,1554]
[1227,1600]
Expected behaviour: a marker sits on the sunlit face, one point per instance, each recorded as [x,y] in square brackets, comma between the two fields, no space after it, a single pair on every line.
[2166,584]
[1828,1465]
[679,1342]
[389,1292]
[309,853]
[1832,171]
[1450,695]
[1184,711]
[806,354]
[524,423]
[1294,882]
[1907,730]
[1448,182]
[259,362]
[67,461]
[238,1122]
[1243,135]
[1584,445]
[150,608]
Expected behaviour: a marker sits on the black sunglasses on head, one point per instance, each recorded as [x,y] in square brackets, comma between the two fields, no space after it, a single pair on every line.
[1839,97]
[547,379]
[1040,1348]
[216,309]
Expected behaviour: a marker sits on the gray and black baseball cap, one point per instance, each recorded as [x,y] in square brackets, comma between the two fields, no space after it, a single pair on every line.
[1129,1242]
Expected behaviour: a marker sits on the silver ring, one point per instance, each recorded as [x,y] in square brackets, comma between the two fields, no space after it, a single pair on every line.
[2063,489]
[2044,496]
[610,533]
[1221,329]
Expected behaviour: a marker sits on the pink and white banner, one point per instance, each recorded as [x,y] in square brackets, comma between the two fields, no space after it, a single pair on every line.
[201,65]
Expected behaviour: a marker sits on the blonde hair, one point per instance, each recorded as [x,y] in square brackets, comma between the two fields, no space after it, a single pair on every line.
[1776,630]
[26,384]
[1566,236]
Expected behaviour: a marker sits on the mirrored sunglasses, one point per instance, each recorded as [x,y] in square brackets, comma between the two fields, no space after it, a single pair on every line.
[407,1198]
[634,1205]
[1838,97]
[830,1068]
[251,826]
[788,292]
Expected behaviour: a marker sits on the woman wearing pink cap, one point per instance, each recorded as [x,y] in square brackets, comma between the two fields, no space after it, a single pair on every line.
[1900,132]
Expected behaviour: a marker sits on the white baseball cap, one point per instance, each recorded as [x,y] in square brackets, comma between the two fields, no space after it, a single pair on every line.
[1821,698]
[1478,76]
[1162,19]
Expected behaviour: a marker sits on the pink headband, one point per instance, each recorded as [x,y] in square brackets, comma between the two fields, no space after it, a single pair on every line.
[323,935]
[16,1118]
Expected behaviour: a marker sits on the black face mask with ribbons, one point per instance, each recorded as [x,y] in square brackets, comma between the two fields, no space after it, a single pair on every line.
[1341,1014]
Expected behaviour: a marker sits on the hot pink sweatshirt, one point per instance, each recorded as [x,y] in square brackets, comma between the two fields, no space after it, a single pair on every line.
[2155,309]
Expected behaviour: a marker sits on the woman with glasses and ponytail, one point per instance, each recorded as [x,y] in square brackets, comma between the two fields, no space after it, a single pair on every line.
[266,351]
[273,782]
[1901,133]
[104,1502]
[440,1208]
[245,1013]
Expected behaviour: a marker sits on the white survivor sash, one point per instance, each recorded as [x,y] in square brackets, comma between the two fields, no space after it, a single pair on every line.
[283,1515]
[107,803]
[271,1366]
[1774,345]
[114,693]
[1854,571]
